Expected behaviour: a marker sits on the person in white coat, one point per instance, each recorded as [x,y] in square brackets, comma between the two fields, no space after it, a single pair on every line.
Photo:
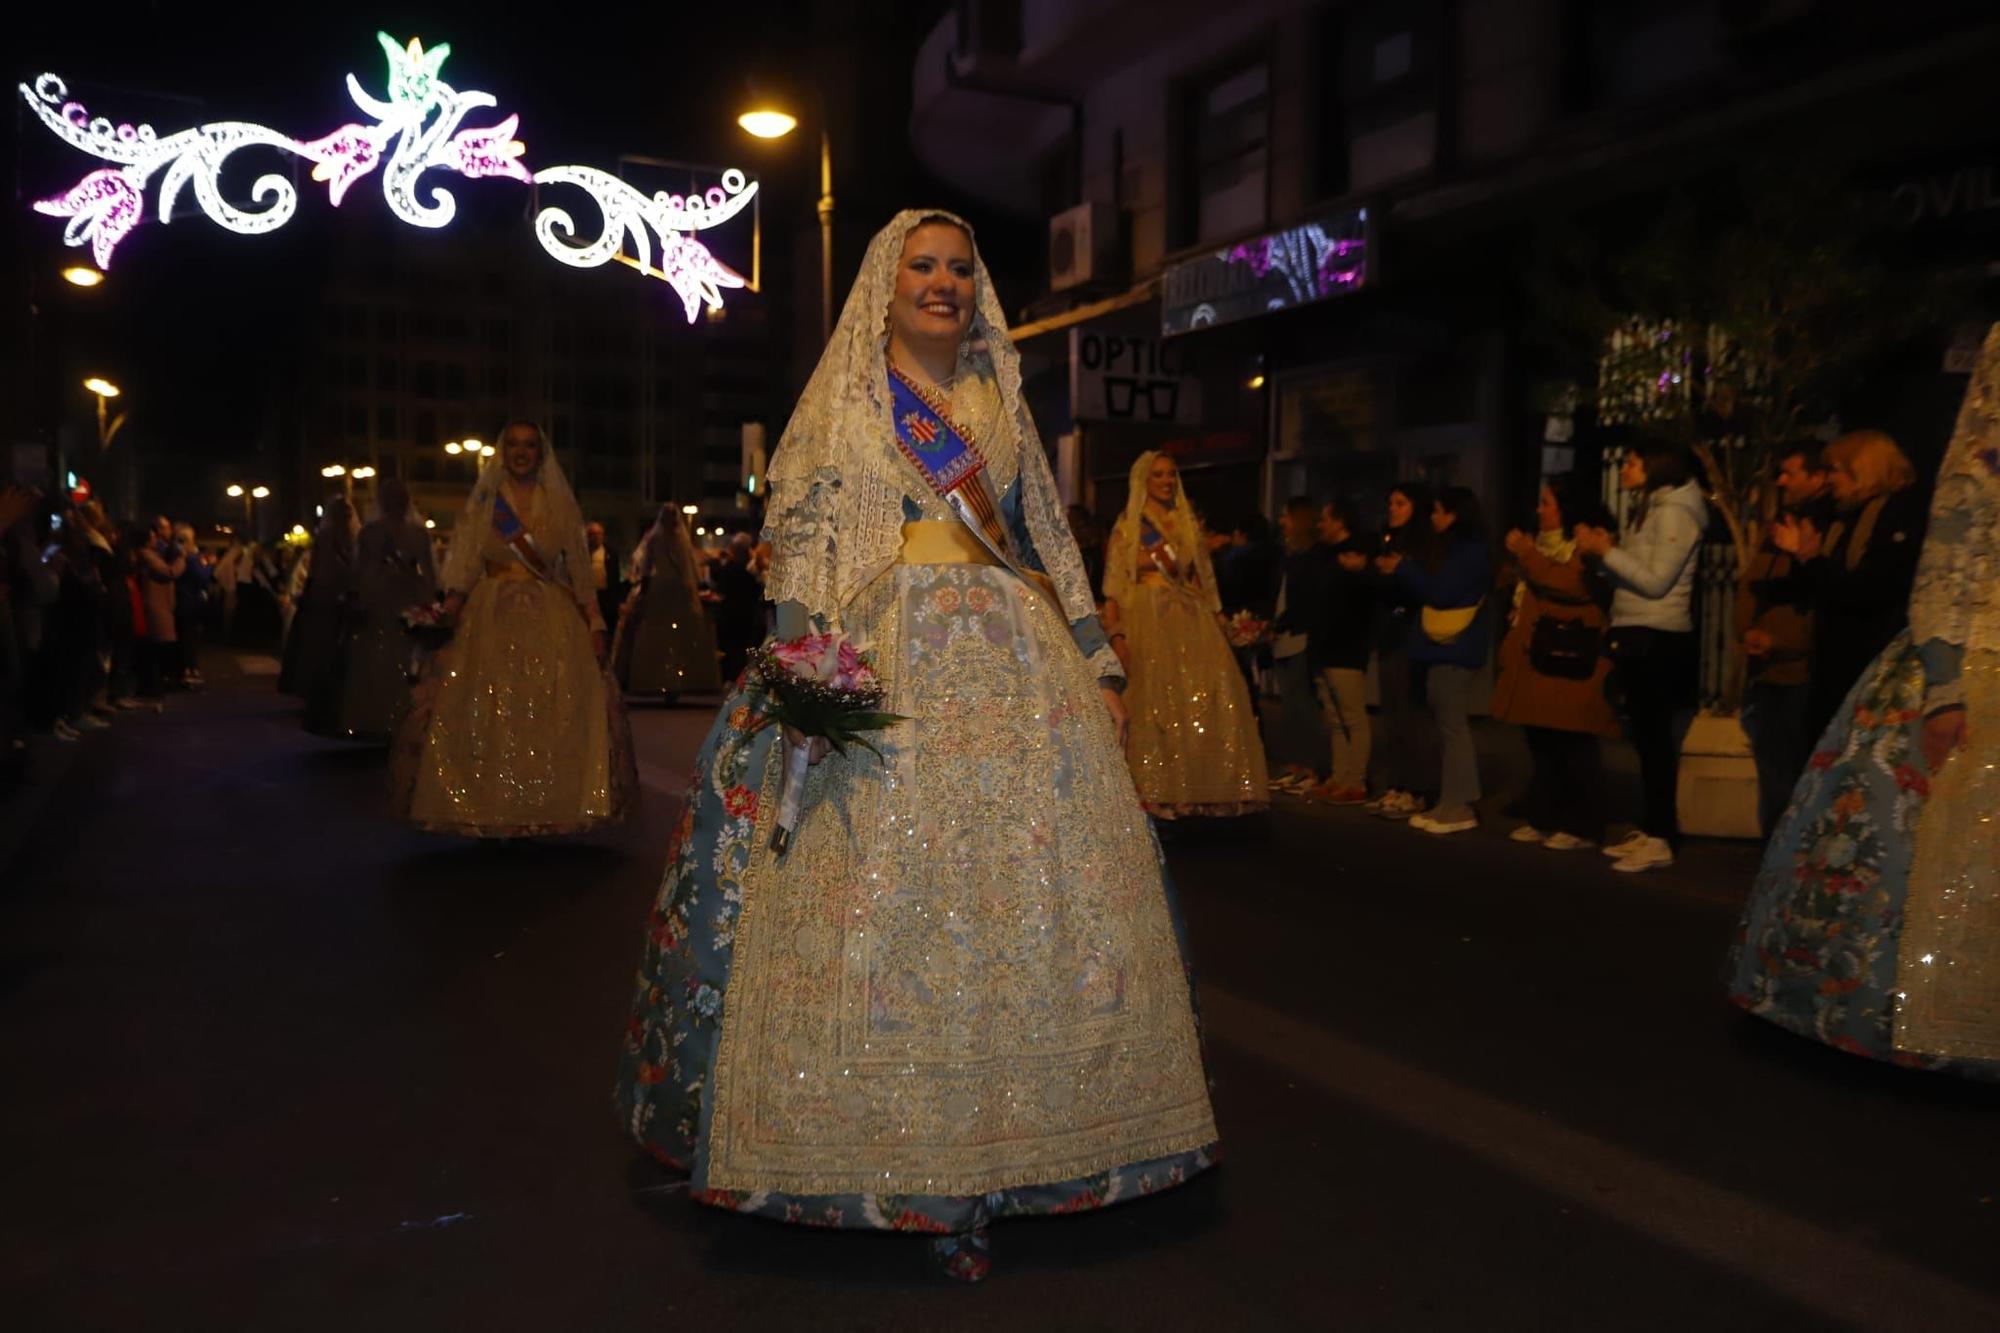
[1655,658]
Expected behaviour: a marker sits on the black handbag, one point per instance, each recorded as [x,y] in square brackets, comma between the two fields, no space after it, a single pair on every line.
[1566,649]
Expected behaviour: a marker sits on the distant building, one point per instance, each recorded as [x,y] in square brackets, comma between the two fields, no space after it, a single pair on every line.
[1287,239]
[424,340]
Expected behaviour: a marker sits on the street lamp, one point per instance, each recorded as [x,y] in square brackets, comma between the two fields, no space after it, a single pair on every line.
[82,275]
[249,498]
[105,391]
[770,123]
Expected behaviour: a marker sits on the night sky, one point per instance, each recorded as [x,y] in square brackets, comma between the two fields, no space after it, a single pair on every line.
[200,324]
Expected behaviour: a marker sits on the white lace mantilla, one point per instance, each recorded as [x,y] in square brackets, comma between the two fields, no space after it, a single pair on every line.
[835,516]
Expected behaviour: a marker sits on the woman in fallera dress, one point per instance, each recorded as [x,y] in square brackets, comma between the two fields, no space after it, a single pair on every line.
[959,994]
[517,729]
[1194,748]
[665,642]
[392,572]
[312,645]
[1874,925]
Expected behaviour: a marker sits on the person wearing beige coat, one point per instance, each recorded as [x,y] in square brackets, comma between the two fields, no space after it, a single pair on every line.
[1551,673]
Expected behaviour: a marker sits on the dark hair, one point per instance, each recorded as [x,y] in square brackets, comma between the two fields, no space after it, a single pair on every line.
[1302,504]
[1577,504]
[1809,450]
[1255,527]
[1666,463]
[1340,511]
[1418,494]
[1464,506]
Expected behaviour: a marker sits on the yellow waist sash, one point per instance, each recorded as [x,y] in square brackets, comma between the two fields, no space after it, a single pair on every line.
[943,542]
[508,569]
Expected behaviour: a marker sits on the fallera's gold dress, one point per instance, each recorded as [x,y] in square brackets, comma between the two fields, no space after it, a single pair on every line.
[516,731]
[1194,747]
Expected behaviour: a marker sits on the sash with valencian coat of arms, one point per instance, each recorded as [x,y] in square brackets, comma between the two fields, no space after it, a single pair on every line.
[951,462]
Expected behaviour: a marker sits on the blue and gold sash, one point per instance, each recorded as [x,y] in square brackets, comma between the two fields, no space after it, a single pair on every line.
[949,459]
[515,533]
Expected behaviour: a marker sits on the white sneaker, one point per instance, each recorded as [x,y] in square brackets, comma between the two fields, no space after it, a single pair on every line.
[1565,842]
[1451,823]
[1528,833]
[1631,842]
[1654,854]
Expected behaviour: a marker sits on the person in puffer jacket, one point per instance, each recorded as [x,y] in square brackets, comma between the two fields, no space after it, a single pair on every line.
[1652,645]
[1449,645]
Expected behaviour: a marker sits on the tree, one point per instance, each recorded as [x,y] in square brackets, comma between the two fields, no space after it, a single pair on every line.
[1731,323]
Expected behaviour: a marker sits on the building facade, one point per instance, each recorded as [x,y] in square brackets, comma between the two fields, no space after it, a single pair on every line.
[1289,240]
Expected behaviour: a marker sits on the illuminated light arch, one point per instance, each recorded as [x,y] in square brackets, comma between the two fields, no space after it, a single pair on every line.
[631,216]
[414,130]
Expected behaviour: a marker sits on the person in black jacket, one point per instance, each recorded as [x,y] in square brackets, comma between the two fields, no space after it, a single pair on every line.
[1405,741]
[1861,569]
[1298,740]
[1337,648]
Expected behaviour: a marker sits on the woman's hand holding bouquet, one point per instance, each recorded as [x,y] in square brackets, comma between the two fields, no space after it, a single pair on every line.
[826,696]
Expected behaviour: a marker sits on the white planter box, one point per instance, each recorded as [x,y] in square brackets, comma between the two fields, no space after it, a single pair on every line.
[1717,792]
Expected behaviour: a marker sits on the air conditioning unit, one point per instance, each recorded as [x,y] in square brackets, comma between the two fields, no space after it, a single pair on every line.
[1072,248]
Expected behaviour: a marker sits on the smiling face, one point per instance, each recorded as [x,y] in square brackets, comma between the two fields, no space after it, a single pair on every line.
[932,304]
[521,451]
[1162,480]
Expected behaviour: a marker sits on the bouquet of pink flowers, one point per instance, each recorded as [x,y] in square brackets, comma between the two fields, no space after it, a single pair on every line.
[820,685]
[1245,630]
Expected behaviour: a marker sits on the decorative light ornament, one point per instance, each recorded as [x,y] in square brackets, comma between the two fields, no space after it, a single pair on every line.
[629,216]
[414,129]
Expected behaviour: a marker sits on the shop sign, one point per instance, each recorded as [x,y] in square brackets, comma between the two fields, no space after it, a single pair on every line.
[1293,267]
[1147,381]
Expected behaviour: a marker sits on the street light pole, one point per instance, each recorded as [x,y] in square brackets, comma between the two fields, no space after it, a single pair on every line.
[825,233]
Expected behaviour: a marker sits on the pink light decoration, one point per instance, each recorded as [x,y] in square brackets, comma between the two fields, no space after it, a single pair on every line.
[103,207]
[695,275]
[492,151]
[342,158]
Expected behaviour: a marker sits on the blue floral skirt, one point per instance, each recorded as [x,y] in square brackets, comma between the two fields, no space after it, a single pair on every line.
[1817,949]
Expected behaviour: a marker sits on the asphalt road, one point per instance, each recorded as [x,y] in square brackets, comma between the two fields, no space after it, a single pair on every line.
[273,1062]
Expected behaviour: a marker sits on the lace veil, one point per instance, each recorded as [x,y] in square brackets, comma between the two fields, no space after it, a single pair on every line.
[557,528]
[835,515]
[1957,593]
[667,552]
[1121,565]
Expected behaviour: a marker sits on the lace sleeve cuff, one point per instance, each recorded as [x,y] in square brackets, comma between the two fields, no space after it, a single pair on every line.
[1104,664]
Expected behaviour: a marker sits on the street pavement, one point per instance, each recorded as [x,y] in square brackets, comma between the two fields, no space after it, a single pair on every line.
[273,1062]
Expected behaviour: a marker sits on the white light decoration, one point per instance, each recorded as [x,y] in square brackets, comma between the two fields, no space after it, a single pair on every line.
[416,128]
[686,265]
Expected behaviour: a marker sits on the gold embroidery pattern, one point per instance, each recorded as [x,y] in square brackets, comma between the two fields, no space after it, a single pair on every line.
[963,977]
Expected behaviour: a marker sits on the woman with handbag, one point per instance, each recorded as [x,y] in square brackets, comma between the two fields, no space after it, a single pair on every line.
[1652,641]
[1450,645]
[1552,670]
